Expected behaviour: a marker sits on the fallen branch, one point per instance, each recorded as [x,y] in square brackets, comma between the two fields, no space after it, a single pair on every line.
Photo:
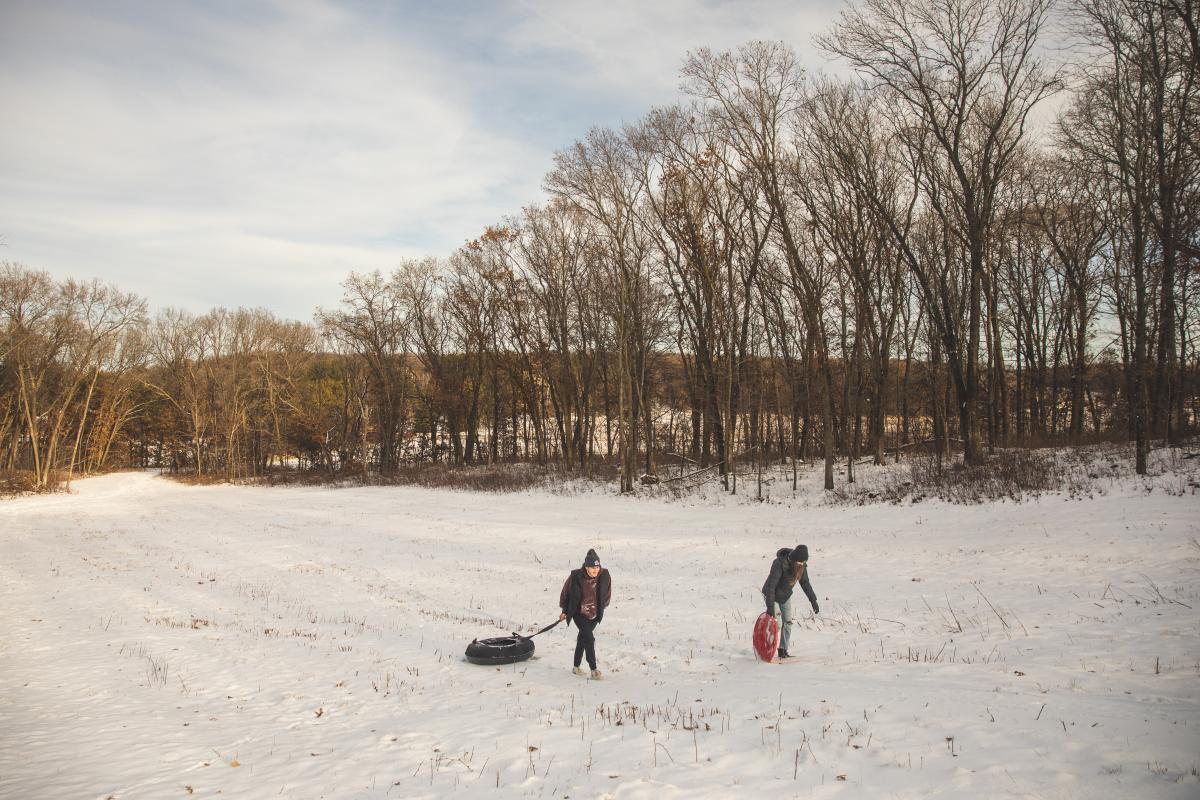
[689,475]
[898,448]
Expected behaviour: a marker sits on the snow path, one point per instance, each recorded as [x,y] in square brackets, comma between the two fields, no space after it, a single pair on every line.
[158,640]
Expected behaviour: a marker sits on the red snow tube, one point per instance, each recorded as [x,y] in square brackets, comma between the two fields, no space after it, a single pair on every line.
[766,636]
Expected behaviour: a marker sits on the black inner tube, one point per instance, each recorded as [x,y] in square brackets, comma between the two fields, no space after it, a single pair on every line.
[500,650]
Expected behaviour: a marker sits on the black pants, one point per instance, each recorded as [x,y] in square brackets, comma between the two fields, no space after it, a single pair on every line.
[585,642]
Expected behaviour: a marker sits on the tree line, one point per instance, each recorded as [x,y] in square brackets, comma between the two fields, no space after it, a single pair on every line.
[777,269]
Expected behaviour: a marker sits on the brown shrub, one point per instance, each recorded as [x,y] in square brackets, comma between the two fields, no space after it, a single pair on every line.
[1006,475]
[15,482]
[498,478]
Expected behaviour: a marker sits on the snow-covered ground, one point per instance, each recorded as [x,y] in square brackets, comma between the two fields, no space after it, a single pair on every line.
[159,641]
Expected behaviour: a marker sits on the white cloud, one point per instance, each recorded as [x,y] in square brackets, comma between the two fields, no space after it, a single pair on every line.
[637,48]
[254,155]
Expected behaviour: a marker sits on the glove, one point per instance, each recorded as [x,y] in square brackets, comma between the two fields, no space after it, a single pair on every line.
[816,609]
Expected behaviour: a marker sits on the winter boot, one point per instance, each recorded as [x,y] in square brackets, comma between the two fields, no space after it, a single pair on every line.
[782,654]
[596,676]
[579,671]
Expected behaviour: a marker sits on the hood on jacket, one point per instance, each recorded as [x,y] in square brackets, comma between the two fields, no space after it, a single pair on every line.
[784,552]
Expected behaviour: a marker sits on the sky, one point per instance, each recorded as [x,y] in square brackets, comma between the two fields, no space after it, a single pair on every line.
[254,153]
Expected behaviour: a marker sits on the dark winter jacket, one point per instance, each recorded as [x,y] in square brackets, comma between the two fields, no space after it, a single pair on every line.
[785,574]
[570,599]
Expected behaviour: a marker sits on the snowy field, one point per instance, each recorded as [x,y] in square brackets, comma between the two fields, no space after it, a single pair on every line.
[160,641]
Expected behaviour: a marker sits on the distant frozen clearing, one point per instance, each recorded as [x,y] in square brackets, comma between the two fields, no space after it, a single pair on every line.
[161,641]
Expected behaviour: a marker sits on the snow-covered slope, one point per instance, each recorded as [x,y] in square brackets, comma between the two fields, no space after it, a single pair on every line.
[158,640]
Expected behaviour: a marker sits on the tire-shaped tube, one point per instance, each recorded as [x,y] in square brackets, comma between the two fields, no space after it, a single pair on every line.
[766,636]
[501,650]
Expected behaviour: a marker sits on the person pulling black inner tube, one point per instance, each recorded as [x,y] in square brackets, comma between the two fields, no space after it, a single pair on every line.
[585,594]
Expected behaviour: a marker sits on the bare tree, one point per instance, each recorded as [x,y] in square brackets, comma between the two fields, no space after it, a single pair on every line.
[1132,130]
[962,77]
[59,337]
[599,176]
[756,94]
[371,324]
[840,143]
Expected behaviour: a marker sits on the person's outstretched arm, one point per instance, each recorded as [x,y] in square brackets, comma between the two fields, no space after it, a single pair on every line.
[808,591]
